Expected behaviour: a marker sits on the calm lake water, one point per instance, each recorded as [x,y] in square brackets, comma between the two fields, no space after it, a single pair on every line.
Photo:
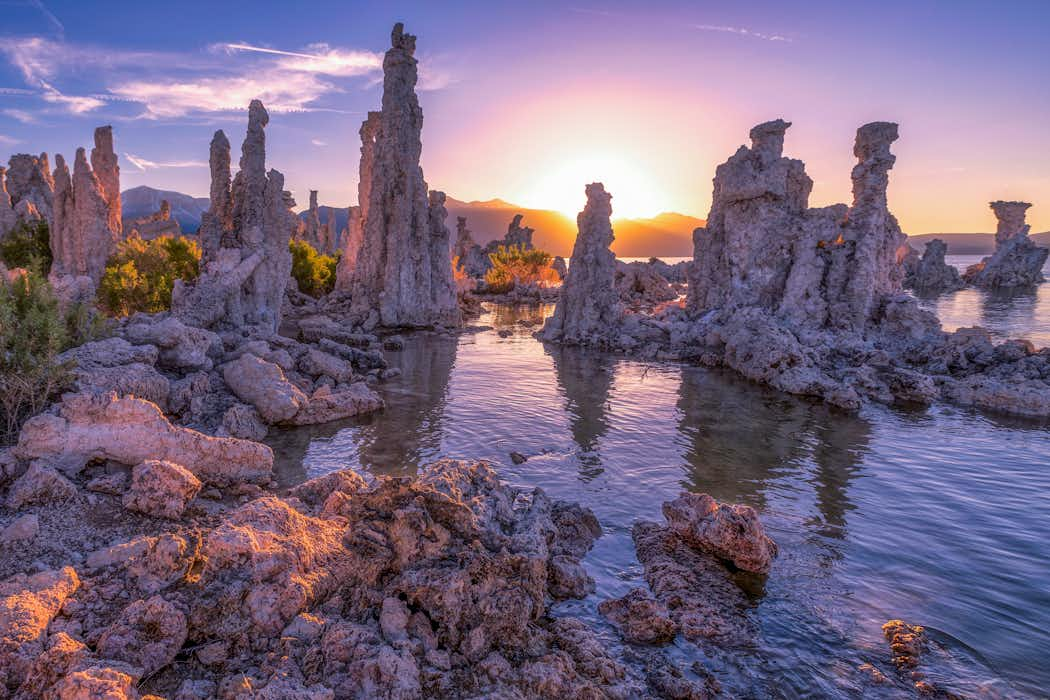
[939,516]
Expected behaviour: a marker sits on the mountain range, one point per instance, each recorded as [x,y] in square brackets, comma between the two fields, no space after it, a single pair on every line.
[665,235]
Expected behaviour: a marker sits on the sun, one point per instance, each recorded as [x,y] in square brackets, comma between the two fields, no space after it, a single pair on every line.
[561,188]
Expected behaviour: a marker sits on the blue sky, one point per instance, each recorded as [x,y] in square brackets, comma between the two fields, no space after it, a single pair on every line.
[528,101]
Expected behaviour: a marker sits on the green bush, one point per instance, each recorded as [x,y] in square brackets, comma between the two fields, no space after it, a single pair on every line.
[313,272]
[28,245]
[141,275]
[34,329]
[514,265]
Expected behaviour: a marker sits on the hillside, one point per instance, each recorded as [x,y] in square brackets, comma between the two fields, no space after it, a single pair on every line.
[143,201]
[970,243]
[667,235]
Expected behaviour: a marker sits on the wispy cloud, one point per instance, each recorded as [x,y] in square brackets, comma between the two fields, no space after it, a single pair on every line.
[320,58]
[19,115]
[8,140]
[49,17]
[742,31]
[318,142]
[146,164]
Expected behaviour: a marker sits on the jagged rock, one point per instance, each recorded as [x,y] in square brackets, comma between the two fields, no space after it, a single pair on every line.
[731,532]
[244,237]
[1017,261]
[158,224]
[640,618]
[589,307]
[472,258]
[351,246]
[639,283]
[130,431]
[930,274]
[104,164]
[181,346]
[27,606]
[243,421]
[8,217]
[81,237]
[559,266]
[148,635]
[40,484]
[31,186]
[346,269]
[161,489]
[404,267]
[312,229]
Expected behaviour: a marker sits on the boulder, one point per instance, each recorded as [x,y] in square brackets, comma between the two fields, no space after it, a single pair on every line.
[27,606]
[731,532]
[161,489]
[148,634]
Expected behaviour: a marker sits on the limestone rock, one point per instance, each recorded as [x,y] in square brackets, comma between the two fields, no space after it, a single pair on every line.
[181,346]
[27,606]
[31,186]
[40,484]
[111,352]
[136,379]
[131,431]
[1017,260]
[640,618]
[638,283]
[161,489]
[148,635]
[346,270]
[403,268]
[559,266]
[325,405]
[351,246]
[8,217]
[104,164]
[471,257]
[244,237]
[82,239]
[730,532]
[263,385]
[930,274]
[243,421]
[589,306]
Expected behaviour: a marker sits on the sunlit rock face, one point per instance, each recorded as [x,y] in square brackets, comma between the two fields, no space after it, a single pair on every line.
[159,223]
[106,169]
[353,240]
[81,237]
[30,186]
[401,272]
[244,239]
[589,308]
[764,248]
[1017,261]
[929,274]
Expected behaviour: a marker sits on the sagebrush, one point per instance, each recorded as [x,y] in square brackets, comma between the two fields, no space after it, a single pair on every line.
[142,274]
[313,271]
[514,265]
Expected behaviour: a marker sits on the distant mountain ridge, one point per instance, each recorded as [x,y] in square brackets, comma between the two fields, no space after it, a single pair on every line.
[666,235]
[970,243]
[142,201]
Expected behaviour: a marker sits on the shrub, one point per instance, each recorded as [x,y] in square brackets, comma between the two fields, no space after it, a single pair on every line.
[141,275]
[313,272]
[34,329]
[514,265]
[28,245]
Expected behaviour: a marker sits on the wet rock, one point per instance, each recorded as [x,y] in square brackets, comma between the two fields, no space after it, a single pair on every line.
[930,274]
[325,405]
[130,431]
[731,532]
[394,342]
[668,681]
[40,484]
[906,642]
[518,458]
[640,618]
[1017,261]
[27,606]
[589,306]
[161,489]
[403,268]
[698,591]
[147,635]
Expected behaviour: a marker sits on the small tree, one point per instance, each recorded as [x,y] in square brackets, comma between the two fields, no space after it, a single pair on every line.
[142,274]
[514,265]
[28,245]
[313,272]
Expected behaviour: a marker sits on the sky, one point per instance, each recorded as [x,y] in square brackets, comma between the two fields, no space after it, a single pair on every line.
[528,102]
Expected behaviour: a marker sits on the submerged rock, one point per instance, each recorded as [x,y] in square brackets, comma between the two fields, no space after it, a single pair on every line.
[1017,260]
[640,618]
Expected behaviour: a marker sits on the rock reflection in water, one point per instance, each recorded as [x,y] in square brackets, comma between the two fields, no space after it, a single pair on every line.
[585,378]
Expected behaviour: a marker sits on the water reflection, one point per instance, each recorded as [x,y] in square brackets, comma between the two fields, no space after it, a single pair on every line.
[586,379]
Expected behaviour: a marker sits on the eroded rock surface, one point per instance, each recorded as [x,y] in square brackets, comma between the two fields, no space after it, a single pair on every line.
[730,532]
[929,274]
[403,269]
[589,308]
[1017,260]
[155,225]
